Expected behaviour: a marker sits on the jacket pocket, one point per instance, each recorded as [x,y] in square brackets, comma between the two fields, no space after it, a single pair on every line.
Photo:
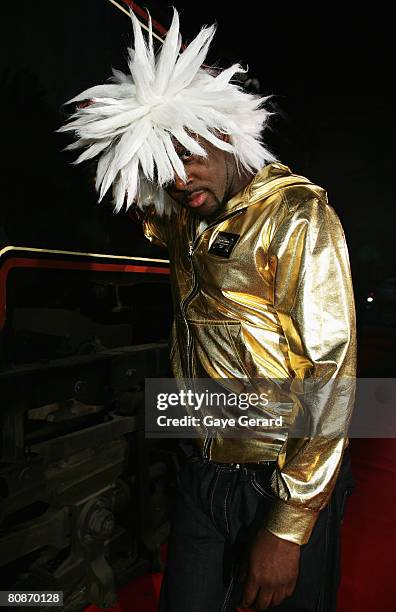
[217,347]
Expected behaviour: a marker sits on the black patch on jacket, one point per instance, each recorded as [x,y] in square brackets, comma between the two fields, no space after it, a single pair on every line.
[223,245]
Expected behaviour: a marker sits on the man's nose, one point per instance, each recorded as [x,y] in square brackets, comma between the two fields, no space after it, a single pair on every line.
[180,184]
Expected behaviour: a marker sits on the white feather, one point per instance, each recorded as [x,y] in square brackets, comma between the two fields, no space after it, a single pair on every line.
[168,56]
[188,142]
[174,158]
[93,150]
[120,78]
[191,59]
[131,175]
[132,122]
[146,160]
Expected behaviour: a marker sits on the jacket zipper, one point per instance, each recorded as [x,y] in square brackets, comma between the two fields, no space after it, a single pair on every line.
[186,302]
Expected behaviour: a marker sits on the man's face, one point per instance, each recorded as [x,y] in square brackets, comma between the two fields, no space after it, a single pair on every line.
[209,180]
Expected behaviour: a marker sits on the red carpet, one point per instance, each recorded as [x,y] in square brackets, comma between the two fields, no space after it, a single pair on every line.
[369,540]
[141,595]
[369,535]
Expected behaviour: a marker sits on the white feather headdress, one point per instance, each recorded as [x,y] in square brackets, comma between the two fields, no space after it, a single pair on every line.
[131,121]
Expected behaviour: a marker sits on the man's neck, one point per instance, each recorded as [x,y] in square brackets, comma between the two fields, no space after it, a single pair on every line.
[239,182]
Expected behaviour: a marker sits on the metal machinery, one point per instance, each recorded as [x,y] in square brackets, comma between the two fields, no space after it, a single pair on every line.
[83,495]
[85,313]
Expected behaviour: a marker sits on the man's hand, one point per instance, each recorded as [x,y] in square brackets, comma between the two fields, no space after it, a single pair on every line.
[272,571]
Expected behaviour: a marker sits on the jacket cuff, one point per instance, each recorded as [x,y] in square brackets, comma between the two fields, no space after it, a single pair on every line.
[291,522]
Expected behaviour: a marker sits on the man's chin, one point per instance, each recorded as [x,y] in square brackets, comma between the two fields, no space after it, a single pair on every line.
[208,209]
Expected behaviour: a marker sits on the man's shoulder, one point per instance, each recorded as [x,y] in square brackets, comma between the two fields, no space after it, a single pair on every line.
[299,202]
[299,190]
[307,196]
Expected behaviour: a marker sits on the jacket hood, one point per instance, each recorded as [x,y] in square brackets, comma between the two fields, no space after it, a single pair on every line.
[267,181]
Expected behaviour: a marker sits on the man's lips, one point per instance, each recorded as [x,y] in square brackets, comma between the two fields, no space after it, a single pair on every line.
[196,198]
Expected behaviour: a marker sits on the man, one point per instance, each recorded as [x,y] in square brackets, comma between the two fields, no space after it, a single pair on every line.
[263,298]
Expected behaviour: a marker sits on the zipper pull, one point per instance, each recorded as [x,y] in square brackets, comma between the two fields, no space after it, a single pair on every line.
[190,250]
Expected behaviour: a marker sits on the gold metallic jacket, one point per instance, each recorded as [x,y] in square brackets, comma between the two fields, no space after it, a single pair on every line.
[280,308]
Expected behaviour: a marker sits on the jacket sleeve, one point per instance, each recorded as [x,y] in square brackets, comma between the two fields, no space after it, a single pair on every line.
[313,297]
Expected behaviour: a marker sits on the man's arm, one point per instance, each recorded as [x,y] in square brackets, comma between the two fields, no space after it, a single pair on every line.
[313,298]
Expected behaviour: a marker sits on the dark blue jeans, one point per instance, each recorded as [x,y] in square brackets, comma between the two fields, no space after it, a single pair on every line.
[218,510]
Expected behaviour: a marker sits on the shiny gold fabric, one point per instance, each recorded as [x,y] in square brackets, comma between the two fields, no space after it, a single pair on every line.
[280,308]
